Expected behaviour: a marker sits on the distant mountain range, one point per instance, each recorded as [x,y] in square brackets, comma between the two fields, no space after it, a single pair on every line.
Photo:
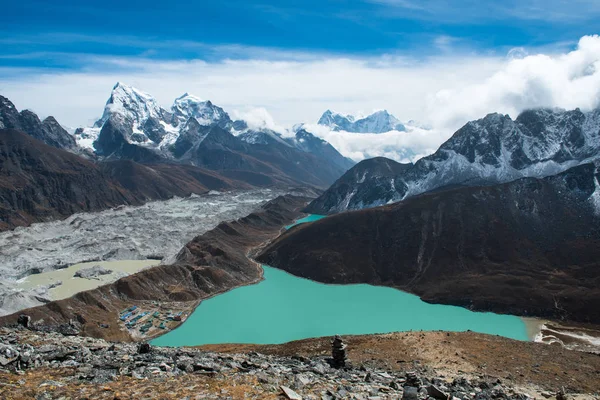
[378,122]
[491,150]
[196,132]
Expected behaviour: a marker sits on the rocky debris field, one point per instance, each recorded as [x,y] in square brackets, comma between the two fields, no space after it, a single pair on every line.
[92,272]
[53,366]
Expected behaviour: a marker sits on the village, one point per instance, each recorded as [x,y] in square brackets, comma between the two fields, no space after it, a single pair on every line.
[145,321]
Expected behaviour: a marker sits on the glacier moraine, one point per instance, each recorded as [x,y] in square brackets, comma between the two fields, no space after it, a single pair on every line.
[156,230]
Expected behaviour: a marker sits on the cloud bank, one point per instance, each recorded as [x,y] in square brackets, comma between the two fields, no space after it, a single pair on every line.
[443,92]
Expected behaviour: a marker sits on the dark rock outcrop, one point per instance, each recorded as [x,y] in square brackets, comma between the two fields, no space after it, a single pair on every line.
[39,182]
[48,131]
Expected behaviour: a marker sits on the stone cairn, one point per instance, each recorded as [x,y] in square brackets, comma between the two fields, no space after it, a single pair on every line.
[338,352]
[412,379]
[144,348]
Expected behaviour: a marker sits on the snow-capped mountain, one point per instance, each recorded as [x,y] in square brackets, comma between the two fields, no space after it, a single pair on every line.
[378,122]
[146,123]
[491,150]
[263,137]
[206,113]
[134,126]
[370,183]
[133,104]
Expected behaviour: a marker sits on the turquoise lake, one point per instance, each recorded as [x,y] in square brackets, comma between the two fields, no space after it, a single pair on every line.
[309,218]
[283,307]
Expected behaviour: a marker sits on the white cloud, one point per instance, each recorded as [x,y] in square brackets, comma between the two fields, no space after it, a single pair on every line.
[567,81]
[443,92]
[403,147]
[258,118]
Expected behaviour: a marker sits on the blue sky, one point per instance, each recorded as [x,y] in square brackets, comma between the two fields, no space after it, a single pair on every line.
[284,62]
[41,33]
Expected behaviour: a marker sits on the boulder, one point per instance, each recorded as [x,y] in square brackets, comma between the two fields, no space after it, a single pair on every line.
[410,393]
[92,272]
[290,394]
[24,320]
[436,393]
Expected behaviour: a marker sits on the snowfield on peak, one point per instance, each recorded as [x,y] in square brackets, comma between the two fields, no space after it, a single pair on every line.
[134,104]
[189,106]
[377,122]
[144,122]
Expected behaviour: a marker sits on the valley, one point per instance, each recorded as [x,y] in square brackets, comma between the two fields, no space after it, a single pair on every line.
[300,200]
[528,247]
[183,227]
[209,264]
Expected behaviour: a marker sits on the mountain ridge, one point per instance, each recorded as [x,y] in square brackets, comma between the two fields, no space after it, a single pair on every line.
[377,122]
[491,150]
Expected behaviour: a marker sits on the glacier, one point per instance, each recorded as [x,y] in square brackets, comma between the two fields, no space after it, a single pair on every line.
[156,230]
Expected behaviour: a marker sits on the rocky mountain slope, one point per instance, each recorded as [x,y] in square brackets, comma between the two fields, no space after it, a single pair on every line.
[528,247]
[48,131]
[309,143]
[378,122]
[491,150]
[39,182]
[195,132]
[370,183]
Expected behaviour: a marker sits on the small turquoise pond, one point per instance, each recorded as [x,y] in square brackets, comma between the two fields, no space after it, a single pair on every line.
[310,218]
[284,307]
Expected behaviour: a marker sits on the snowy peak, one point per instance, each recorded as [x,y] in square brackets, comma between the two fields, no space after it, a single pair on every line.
[263,137]
[206,113]
[336,121]
[134,104]
[378,122]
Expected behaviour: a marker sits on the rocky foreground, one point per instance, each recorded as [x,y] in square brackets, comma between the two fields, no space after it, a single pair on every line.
[53,366]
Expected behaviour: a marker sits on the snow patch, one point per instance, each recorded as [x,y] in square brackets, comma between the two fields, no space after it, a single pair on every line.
[595,196]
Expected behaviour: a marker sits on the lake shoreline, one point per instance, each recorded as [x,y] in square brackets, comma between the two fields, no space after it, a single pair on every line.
[351,310]
[64,284]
